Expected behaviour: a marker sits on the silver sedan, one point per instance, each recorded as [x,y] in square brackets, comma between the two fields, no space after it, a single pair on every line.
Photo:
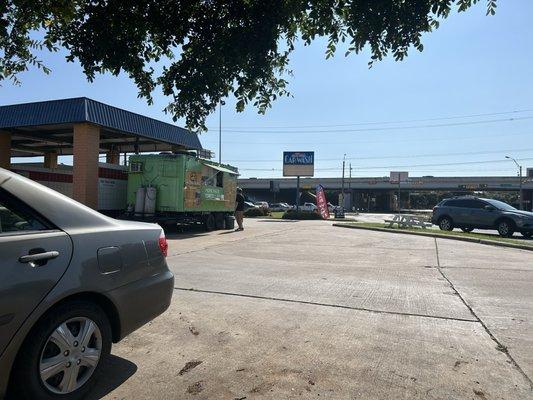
[72,281]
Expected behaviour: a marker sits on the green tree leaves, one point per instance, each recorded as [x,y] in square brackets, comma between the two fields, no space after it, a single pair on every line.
[199,52]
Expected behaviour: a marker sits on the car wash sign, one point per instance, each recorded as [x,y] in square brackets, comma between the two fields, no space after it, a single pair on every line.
[298,163]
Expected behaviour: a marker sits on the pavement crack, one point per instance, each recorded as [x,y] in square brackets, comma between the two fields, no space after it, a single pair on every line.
[252,296]
[499,345]
[230,242]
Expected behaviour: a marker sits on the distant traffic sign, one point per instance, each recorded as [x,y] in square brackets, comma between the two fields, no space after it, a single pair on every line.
[398,176]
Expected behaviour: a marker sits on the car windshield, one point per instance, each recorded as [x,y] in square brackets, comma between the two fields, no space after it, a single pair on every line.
[500,205]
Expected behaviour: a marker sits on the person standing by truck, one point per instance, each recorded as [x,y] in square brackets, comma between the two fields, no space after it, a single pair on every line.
[239,209]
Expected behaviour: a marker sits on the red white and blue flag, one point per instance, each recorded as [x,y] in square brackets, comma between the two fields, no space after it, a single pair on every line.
[321,202]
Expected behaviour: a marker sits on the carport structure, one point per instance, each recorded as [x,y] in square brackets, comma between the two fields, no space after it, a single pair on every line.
[84,128]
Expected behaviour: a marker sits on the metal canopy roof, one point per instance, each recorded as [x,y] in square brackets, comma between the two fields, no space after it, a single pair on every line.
[48,126]
[222,169]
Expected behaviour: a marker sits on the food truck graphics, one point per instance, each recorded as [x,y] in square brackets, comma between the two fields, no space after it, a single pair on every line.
[184,188]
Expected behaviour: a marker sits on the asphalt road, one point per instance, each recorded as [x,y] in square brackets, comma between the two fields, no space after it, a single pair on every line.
[290,310]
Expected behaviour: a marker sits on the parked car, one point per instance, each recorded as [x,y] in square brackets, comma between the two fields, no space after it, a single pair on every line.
[308,207]
[469,213]
[248,205]
[75,281]
[279,207]
[262,204]
[287,206]
[332,208]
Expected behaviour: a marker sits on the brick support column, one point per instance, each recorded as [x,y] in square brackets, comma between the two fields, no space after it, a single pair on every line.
[5,149]
[50,160]
[112,157]
[85,171]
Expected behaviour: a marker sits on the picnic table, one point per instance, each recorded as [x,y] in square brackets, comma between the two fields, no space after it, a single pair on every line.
[406,221]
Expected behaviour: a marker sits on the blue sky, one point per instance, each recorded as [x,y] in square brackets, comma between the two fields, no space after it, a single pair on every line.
[475,67]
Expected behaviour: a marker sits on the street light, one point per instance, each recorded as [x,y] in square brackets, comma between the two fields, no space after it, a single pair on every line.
[222,102]
[520,177]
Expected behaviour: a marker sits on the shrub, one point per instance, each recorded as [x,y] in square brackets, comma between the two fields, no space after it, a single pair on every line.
[292,214]
[256,212]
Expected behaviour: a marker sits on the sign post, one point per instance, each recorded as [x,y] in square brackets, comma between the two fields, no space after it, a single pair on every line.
[298,163]
[399,177]
[298,194]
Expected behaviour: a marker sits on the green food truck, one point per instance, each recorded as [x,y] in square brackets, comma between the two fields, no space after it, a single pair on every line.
[180,188]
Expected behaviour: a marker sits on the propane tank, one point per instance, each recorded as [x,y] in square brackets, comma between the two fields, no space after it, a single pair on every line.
[139,201]
[149,200]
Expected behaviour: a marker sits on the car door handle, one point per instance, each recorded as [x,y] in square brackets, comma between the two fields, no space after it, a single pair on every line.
[38,259]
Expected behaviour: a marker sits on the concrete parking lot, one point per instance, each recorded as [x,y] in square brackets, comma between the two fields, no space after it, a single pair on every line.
[288,310]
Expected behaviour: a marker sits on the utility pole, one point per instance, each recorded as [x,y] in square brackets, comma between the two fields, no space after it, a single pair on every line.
[350,188]
[520,183]
[342,184]
[220,131]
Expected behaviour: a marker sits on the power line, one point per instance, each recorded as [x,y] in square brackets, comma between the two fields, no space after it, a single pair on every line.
[395,156]
[427,126]
[387,139]
[396,166]
[441,164]
[422,171]
[382,122]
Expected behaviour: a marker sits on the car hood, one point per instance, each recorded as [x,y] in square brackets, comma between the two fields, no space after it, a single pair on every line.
[528,214]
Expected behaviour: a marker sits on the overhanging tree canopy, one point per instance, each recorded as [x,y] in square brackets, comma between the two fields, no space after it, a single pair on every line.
[209,49]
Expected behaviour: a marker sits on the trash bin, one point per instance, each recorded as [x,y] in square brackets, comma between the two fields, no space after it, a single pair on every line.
[230,222]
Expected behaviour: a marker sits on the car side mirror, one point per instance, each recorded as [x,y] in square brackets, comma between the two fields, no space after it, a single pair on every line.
[489,208]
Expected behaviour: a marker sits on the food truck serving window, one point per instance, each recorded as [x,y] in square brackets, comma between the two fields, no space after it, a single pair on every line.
[213,175]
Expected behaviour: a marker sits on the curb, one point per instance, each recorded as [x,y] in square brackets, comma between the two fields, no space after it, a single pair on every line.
[437,235]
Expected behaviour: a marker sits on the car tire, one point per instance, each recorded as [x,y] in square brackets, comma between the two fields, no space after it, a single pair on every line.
[505,228]
[41,344]
[527,235]
[467,230]
[446,224]
[210,223]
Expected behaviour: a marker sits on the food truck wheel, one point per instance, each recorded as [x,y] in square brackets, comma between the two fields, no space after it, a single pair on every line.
[220,221]
[209,222]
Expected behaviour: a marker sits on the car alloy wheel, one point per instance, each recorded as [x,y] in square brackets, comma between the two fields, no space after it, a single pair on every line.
[445,224]
[70,355]
[505,229]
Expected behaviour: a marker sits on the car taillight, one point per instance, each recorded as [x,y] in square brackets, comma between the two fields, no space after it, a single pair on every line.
[163,244]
